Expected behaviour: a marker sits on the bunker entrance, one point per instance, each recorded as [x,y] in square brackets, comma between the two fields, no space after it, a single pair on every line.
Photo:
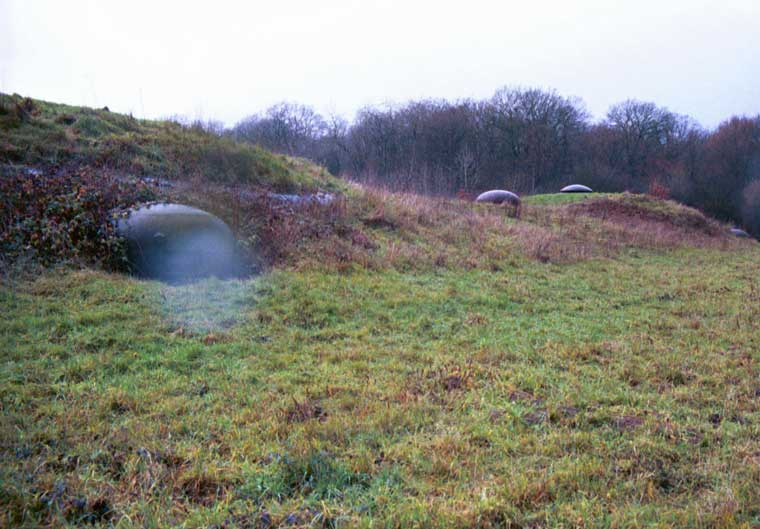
[177,243]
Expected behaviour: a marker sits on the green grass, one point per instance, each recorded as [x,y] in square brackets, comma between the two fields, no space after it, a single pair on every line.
[607,393]
[404,361]
[50,133]
[554,199]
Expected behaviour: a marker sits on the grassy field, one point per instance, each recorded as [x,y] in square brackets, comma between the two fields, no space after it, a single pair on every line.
[399,361]
[607,393]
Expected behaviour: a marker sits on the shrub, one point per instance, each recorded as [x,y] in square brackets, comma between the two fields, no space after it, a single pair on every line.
[65,215]
[272,231]
[658,190]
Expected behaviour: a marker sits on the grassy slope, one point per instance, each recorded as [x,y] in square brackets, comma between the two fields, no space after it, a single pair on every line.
[411,362]
[42,133]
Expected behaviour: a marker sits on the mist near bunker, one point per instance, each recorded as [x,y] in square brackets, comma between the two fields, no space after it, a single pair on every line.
[207,305]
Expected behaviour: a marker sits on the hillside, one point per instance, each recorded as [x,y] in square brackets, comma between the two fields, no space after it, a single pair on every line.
[399,361]
[39,134]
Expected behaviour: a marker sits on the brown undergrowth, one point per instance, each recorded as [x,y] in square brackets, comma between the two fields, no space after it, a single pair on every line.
[369,228]
[377,229]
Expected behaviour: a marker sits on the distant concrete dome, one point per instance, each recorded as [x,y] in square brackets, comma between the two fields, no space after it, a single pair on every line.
[576,188]
[498,196]
[740,233]
[173,242]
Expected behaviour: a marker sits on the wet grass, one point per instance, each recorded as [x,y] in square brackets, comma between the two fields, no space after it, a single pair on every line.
[606,393]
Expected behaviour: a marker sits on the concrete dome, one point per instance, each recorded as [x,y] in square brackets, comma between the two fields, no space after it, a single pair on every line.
[173,242]
[498,196]
[740,233]
[576,188]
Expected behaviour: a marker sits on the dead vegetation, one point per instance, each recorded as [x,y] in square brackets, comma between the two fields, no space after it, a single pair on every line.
[305,410]
[377,229]
[365,227]
[461,233]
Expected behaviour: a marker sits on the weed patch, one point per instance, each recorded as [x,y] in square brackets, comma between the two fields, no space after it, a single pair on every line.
[65,214]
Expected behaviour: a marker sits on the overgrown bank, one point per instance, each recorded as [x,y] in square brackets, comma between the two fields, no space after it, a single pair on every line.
[67,217]
[41,134]
[66,172]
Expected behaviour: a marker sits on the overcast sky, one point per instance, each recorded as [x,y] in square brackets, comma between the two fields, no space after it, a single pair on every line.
[224,60]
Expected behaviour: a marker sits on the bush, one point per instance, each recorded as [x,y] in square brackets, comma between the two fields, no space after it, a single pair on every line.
[272,231]
[65,215]
[658,190]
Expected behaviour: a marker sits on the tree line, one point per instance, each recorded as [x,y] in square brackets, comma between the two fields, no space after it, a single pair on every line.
[527,141]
